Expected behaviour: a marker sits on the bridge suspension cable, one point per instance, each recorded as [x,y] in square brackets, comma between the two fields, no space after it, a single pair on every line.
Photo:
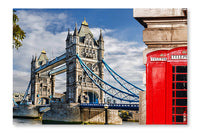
[131,88]
[26,93]
[15,102]
[106,87]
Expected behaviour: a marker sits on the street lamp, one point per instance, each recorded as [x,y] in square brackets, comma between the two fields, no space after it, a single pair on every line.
[106,113]
[80,83]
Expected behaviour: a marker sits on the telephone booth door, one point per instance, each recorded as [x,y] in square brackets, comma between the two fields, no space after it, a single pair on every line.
[156,87]
[177,86]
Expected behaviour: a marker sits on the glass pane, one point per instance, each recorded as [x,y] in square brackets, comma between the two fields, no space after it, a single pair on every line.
[173,85]
[173,69]
[181,102]
[173,101]
[180,110]
[179,118]
[181,69]
[173,110]
[173,77]
[181,85]
[181,93]
[173,118]
[173,94]
[181,77]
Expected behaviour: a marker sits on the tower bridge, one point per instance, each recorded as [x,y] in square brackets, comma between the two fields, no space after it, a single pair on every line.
[84,64]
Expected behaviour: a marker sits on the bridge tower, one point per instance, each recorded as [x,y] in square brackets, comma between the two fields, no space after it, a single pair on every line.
[79,88]
[42,84]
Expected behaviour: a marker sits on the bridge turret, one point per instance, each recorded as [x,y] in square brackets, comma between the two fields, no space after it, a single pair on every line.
[101,41]
[100,58]
[36,62]
[43,59]
[42,84]
[79,88]
[69,38]
[75,35]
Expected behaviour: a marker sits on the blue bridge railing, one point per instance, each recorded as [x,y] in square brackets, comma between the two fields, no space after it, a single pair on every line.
[49,63]
[134,107]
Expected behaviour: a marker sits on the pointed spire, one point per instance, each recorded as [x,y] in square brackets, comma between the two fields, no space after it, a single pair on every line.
[68,35]
[75,30]
[32,58]
[100,36]
[84,22]
[35,56]
[43,51]
[68,30]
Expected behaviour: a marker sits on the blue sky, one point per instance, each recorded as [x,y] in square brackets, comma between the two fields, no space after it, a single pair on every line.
[47,29]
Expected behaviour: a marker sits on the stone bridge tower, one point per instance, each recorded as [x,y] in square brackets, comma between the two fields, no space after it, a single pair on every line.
[79,88]
[42,84]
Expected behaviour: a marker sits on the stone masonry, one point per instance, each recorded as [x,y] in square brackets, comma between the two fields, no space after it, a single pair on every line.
[72,113]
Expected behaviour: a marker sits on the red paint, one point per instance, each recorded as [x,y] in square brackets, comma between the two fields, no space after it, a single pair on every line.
[161,90]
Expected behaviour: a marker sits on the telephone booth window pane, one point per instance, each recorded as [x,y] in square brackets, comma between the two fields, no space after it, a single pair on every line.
[180,110]
[181,93]
[173,102]
[181,85]
[173,110]
[173,69]
[181,102]
[179,118]
[181,77]
[181,69]
[173,85]
[173,94]
[173,77]
[173,118]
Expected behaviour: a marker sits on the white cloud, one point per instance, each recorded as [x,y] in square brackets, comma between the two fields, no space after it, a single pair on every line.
[37,38]
[37,20]
[20,81]
[125,58]
[96,32]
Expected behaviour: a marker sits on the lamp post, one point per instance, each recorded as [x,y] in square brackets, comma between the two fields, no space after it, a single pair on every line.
[80,83]
[106,113]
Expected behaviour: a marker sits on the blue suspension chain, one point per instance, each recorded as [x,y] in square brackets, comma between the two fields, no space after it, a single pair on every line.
[118,80]
[85,67]
[108,67]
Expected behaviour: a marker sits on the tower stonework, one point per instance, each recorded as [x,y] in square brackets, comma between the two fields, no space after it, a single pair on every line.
[79,88]
[42,84]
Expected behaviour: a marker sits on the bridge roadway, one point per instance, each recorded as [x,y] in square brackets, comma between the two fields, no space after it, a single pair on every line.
[134,107]
[52,64]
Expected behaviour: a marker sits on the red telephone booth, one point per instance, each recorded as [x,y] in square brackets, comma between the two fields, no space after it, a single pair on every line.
[166,86]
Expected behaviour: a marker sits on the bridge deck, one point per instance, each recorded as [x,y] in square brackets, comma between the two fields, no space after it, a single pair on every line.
[53,63]
[134,107]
